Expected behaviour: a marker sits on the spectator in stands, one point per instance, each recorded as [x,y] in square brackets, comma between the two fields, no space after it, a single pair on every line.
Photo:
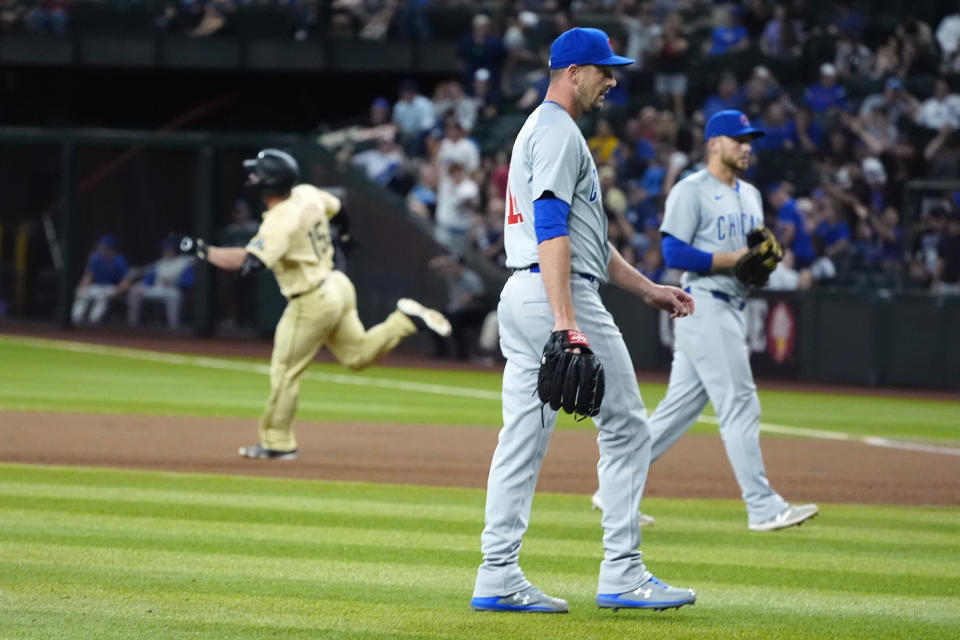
[523,40]
[946,280]
[164,281]
[847,20]
[12,14]
[942,154]
[457,147]
[604,144]
[640,25]
[652,265]
[853,59]
[106,269]
[832,232]
[926,247]
[413,113]
[422,198]
[449,98]
[458,201]
[672,57]
[728,96]
[781,130]
[466,306]
[942,108]
[827,95]
[728,36]
[889,240]
[486,98]
[50,17]
[782,37]
[895,101]
[488,235]
[791,225]
[787,278]
[948,37]
[481,49]
[383,163]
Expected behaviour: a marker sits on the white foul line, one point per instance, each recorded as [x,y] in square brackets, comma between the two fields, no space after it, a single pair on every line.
[439,389]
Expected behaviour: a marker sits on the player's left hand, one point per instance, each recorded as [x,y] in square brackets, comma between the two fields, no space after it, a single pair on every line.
[676,301]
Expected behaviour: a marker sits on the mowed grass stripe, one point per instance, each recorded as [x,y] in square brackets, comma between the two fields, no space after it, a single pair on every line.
[936,559]
[747,611]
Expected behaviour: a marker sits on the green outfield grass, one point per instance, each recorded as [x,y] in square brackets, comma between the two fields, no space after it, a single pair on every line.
[119,554]
[45,376]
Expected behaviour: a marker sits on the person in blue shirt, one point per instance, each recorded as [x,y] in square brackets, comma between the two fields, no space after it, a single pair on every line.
[791,226]
[728,96]
[105,269]
[729,36]
[832,232]
[828,93]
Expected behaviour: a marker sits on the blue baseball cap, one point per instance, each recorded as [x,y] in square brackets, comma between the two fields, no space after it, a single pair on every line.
[584,45]
[732,123]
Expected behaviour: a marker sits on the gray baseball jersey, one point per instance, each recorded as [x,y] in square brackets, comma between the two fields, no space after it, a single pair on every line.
[712,216]
[711,361]
[550,154]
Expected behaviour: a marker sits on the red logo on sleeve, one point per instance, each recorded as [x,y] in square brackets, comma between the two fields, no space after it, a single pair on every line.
[513,213]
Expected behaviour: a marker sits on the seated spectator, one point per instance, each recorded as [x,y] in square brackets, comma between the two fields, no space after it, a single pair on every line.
[889,240]
[49,17]
[106,269]
[164,281]
[761,89]
[728,96]
[614,199]
[895,102]
[381,164]
[652,265]
[809,133]
[450,99]
[457,147]
[481,49]
[940,109]
[458,199]
[641,27]
[946,279]
[847,20]
[671,60]
[926,247]
[791,226]
[782,36]
[486,98]
[422,198]
[466,306]
[488,235]
[827,95]
[604,144]
[728,36]
[781,130]
[413,113]
[12,13]
[853,58]
[832,231]
[948,37]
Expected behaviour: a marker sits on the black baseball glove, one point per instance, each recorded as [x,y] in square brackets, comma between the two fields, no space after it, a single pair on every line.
[573,381]
[755,267]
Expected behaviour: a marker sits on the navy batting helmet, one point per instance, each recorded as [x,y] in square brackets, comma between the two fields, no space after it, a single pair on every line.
[272,172]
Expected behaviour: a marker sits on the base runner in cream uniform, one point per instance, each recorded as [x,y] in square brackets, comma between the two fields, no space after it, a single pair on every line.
[294,242]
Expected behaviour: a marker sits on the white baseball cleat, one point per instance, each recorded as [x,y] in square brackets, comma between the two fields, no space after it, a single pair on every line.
[793,515]
[643,520]
[430,318]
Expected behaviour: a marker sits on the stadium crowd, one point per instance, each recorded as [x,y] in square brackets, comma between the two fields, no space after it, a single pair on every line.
[854,107]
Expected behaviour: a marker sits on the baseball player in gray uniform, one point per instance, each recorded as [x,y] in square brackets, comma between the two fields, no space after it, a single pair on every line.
[708,215]
[556,243]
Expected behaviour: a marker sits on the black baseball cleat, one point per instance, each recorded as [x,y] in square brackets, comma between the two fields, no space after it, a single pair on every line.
[259,451]
[424,317]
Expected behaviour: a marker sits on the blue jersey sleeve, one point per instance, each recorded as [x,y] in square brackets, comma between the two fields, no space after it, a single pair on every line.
[677,254]
[550,218]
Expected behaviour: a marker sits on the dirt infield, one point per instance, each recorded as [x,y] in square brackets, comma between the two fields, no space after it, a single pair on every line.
[802,470]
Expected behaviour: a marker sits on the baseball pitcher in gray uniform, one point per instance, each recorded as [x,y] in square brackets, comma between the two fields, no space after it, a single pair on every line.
[556,243]
[705,226]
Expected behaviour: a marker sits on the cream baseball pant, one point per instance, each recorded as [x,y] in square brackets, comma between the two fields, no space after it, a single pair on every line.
[325,316]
